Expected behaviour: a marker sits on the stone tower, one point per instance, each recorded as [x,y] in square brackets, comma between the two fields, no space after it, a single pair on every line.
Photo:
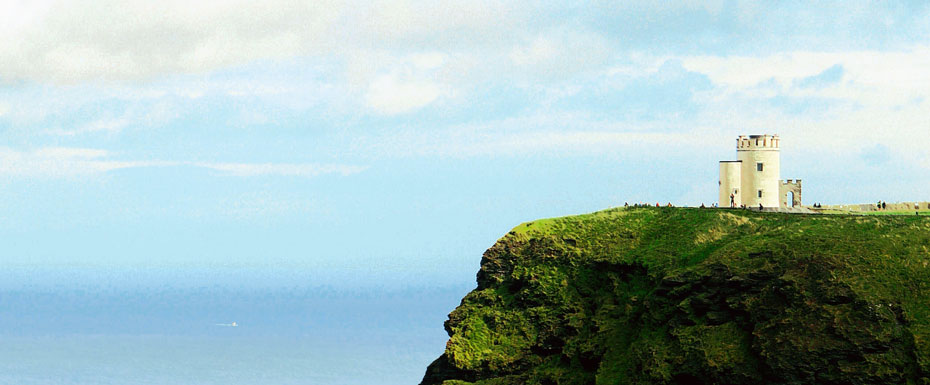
[754,177]
[760,176]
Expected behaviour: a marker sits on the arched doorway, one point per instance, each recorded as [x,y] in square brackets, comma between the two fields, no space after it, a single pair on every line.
[790,193]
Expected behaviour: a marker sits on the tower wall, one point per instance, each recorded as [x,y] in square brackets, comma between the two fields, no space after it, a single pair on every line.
[730,175]
[754,150]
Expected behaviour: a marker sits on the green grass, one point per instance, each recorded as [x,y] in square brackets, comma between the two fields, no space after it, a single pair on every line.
[646,295]
[921,211]
[901,212]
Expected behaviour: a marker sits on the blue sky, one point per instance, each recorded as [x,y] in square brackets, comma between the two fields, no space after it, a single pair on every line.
[390,142]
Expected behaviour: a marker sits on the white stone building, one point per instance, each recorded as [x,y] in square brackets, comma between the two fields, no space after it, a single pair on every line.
[754,178]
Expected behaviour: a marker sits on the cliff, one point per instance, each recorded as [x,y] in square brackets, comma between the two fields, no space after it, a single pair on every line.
[697,296]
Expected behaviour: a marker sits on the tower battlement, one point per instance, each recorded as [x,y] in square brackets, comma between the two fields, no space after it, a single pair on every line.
[757,142]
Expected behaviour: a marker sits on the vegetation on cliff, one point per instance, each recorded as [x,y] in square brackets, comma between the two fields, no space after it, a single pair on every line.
[678,295]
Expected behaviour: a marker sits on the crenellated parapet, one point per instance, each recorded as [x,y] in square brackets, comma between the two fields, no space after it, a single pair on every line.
[757,142]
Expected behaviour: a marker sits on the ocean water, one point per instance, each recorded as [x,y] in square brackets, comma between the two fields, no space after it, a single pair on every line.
[88,334]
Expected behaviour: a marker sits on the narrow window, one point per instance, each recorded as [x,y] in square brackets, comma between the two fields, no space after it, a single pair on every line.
[760,193]
[759,166]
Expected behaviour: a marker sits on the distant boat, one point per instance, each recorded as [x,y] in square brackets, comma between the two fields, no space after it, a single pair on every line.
[234,324]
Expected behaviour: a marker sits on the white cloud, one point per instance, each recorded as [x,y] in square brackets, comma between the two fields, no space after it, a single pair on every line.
[392,56]
[538,51]
[16,15]
[572,142]
[397,23]
[103,125]
[744,72]
[869,77]
[640,65]
[56,162]
[411,83]
[428,61]
[65,162]
[73,41]
[389,95]
[553,134]
[281,169]
[402,56]
[881,97]
[118,40]
[560,53]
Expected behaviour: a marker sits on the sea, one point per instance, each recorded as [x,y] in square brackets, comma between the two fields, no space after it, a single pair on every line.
[98,330]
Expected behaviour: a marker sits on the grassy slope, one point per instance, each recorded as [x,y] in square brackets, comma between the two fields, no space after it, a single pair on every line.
[653,295]
[899,212]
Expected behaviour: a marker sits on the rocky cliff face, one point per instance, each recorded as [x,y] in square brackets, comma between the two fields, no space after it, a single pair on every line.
[695,296]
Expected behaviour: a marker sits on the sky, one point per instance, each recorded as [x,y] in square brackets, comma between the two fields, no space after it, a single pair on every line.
[389,143]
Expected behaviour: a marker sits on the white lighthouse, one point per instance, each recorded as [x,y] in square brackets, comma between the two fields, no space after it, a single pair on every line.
[754,178]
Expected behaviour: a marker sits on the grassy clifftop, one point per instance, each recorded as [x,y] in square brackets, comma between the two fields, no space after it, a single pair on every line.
[677,295]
